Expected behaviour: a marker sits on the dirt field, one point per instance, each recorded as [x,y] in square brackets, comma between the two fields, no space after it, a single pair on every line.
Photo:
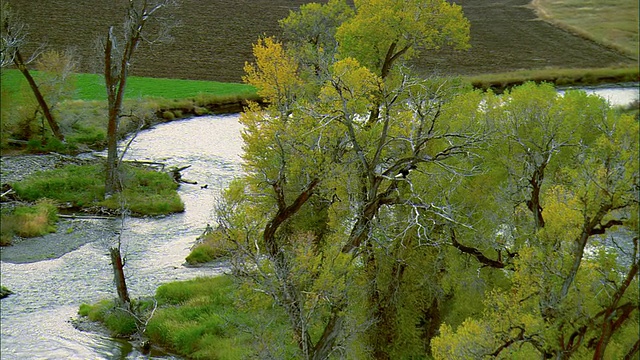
[215,37]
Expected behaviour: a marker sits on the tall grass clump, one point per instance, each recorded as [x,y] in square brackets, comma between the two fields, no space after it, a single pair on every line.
[147,192]
[76,185]
[28,221]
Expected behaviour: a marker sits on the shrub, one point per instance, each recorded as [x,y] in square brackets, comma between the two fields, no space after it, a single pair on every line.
[168,115]
[198,110]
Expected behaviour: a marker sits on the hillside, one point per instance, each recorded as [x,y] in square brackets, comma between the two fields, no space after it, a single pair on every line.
[215,37]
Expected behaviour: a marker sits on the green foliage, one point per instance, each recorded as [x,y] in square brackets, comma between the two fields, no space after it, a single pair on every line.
[145,192]
[563,170]
[382,29]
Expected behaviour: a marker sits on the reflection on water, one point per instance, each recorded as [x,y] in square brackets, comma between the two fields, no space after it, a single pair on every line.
[35,320]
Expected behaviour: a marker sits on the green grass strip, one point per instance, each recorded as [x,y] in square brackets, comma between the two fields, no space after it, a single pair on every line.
[91,87]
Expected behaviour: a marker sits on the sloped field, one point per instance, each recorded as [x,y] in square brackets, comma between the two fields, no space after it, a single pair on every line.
[215,37]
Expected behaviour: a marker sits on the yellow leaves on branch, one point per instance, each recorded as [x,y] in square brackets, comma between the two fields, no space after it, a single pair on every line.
[351,85]
[274,73]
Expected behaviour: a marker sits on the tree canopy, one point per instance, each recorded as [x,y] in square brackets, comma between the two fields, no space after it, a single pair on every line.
[375,203]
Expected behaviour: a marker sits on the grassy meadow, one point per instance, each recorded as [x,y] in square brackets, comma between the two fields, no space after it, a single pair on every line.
[610,22]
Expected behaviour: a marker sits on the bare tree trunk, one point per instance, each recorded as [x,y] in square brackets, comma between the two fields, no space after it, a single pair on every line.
[118,273]
[115,82]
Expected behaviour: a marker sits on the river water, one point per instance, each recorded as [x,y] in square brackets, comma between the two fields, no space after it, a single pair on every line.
[35,321]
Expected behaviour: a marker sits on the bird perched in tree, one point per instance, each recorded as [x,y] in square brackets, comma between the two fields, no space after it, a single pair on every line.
[405,171]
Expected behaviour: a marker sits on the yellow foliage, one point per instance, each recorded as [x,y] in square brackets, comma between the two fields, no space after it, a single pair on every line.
[274,73]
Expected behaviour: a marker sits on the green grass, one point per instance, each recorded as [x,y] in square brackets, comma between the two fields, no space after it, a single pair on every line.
[610,22]
[91,87]
[145,192]
[211,246]
[119,321]
[205,318]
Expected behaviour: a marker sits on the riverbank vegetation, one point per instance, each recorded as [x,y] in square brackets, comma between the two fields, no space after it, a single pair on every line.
[28,221]
[211,245]
[559,77]
[81,188]
[203,318]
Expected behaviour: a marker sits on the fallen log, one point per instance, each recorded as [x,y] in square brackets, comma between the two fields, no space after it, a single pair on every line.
[86,217]
[177,176]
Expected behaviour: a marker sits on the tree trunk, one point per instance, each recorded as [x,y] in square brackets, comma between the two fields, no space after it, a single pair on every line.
[112,184]
[118,273]
[19,62]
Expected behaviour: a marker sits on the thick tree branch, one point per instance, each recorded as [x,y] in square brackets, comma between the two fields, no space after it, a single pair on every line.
[475,252]
[285,213]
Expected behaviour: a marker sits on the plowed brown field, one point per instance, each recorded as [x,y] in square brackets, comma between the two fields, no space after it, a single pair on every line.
[215,37]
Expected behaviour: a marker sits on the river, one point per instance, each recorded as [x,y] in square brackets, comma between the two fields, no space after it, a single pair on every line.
[36,319]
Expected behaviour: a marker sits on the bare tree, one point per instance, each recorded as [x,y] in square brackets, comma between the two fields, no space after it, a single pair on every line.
[13,38]
[145,22]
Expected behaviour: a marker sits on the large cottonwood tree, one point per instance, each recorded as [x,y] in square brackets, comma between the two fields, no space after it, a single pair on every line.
[333,205]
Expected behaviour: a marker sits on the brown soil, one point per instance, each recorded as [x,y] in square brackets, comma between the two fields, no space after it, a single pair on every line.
[215,37]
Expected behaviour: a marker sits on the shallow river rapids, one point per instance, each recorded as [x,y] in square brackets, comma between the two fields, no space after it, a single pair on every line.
[36,319]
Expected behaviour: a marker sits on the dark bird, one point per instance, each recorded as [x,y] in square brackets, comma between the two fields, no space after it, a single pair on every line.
[404,172]
[204,186]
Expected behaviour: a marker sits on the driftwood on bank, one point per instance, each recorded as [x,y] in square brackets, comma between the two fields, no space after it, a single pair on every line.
[86,217]
[177,176]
